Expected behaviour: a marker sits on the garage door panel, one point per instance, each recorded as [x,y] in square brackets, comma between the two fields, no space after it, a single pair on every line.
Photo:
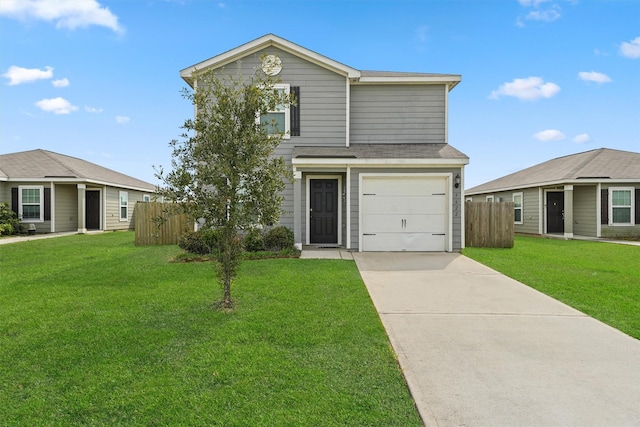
[394,186]
[377,205]
[404,213]
[396,242]
[404,223]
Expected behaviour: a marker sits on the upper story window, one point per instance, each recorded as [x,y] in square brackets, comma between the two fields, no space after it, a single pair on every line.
[489,198]
[31,203]
[517,208]
[146,198]
[277,121]
[124,208]
[621,205]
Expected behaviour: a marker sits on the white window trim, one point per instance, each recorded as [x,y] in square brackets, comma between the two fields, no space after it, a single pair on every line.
[521,208]
[146,198]
[31,187]
[631,207]
[287,110]
[489,199]
[120,205]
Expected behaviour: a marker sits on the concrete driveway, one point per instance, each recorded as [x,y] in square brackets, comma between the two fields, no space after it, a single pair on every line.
[480,349]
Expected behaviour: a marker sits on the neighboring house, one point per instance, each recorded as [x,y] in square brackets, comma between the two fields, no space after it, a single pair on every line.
[373,170]
[595,193]
[60,193]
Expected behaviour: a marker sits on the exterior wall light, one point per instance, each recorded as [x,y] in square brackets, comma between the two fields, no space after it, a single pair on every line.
[456,181]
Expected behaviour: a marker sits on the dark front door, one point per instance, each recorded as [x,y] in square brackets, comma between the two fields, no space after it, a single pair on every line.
[93,209]
[324,211]
[555,212]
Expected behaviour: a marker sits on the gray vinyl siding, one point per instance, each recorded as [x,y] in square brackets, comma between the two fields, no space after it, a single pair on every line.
[66,207]
[456,208]
[584,210]
[41,227]
[398,114]
[113,208]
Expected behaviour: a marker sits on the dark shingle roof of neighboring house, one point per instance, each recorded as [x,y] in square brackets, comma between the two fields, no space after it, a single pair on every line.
[601,164]
[46,165]
[381,151]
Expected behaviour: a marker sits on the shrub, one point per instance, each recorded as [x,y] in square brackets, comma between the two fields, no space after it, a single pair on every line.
[9,223]
[278,238]
[253,241]
[193,242]
[211,238]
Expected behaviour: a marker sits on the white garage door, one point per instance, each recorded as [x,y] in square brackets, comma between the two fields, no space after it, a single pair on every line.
[404,213]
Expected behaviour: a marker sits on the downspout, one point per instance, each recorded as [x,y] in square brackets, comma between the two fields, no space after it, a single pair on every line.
[446,114]
[348,207]
[53,207]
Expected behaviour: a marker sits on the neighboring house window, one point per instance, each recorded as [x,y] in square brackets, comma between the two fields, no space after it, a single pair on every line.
[124,201]
[517,208]
[469,199]
[277,121]
[489,198]
[31,203]
[146,198]
[621,205]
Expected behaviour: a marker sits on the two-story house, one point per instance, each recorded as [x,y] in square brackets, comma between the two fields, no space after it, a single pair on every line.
[372,165]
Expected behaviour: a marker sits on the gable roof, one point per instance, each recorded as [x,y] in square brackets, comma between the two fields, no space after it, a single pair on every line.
[355,76]
[603,164]
[46,165]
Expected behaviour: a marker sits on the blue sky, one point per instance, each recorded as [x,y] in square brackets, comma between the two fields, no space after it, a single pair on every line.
[100,80]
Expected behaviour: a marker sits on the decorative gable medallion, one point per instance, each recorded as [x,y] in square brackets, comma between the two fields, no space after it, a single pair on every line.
[271,65]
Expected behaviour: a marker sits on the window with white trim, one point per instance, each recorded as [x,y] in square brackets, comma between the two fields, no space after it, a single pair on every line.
[146,198]
[277,121]
[124,208]
[517,208]
[489,198]
[621,205]
[31,203]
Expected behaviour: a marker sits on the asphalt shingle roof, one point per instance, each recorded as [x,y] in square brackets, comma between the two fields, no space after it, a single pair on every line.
[603,163]
[43,164]
[382,151]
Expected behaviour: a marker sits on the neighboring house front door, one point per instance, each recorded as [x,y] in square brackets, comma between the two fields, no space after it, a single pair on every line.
[93,209]
[555,212]
[324,211]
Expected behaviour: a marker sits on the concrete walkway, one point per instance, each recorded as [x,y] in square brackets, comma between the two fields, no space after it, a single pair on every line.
[26,238]
[480,349]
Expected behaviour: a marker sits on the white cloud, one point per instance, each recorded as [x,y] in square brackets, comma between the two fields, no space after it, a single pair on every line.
[593,76]
[122,120]
[631,49]
[549,135]
[582,138]
[527,89]
[60,83]
[56,105]
[548,15]
[93,109]
[69,14]
[527,3]
[19,75]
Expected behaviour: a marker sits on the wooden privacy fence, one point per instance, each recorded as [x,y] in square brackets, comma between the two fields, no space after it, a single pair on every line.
[489,224]
[159,224]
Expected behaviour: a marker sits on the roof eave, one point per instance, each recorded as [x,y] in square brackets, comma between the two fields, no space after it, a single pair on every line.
[575,181]
[269,40]
[450,80]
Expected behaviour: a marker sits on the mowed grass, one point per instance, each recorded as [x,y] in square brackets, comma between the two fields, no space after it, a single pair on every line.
[96,331]
[599,279]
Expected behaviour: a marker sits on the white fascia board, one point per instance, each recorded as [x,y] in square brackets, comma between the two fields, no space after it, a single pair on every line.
[450,81]
[306,162]
[81,181]
[556,183]
[265,42]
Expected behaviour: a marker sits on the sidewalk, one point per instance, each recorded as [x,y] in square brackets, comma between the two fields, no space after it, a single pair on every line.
[23,238]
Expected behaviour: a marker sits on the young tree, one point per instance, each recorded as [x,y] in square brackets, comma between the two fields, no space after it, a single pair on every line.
[224,171]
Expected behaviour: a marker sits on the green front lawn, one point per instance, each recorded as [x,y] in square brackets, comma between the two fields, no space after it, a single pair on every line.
[96,331]
[599,279]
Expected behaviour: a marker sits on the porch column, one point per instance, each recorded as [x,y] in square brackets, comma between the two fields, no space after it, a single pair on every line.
[297,209]
[82,208]
[568,211]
